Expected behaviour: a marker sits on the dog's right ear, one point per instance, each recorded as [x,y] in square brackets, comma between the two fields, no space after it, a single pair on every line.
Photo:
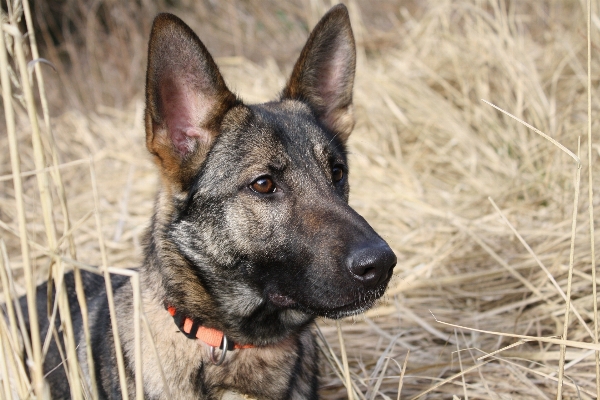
[186,100]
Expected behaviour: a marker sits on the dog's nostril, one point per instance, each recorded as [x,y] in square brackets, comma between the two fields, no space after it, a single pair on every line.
[372,265]
[363,271]
[369,270]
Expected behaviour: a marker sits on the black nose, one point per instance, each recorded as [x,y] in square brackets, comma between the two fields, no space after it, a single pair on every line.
[372,264]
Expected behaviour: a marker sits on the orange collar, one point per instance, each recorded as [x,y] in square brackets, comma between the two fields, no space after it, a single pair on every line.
[193,330]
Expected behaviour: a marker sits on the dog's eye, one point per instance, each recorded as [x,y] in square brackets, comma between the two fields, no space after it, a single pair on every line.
[337,173]
[263,185]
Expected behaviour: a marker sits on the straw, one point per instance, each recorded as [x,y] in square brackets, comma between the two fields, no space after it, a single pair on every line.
[426,158]
[346,370]
[402,372]
[591,190]
[563,348]
[109,291]
[46,203]
[37,373]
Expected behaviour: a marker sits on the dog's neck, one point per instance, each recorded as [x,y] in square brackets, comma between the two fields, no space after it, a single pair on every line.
[194,329]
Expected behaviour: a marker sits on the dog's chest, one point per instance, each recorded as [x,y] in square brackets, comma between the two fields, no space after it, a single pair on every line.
[261,374]
[230,395]
[265,373]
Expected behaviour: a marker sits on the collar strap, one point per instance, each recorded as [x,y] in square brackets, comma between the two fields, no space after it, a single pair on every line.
[194,330]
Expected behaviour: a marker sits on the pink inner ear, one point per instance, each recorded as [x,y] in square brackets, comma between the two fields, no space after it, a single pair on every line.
[334,79]
[184,110]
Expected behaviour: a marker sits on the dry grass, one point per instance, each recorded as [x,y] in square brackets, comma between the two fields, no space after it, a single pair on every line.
[478,207]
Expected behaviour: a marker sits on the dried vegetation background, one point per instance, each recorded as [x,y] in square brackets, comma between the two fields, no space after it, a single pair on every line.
[429,161]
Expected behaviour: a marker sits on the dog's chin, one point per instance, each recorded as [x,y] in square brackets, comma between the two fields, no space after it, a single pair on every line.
[353,307]
[348,310]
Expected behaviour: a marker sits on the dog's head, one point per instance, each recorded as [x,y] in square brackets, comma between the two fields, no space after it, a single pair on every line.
[259,235]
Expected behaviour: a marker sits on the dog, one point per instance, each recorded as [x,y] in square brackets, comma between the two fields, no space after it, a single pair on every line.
[252,236]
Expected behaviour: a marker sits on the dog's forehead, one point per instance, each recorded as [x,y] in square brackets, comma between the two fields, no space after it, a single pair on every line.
[282,135]
[292,124]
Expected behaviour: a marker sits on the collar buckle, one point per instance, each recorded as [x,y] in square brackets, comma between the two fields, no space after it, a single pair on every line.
[213,356]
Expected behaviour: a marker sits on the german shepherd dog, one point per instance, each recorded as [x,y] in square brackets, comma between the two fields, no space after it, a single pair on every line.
[252,236]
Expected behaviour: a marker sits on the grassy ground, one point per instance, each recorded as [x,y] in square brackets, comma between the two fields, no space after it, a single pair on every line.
[478,207]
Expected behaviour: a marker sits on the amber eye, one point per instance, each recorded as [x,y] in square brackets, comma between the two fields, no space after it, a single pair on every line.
[263,185]
[337,174]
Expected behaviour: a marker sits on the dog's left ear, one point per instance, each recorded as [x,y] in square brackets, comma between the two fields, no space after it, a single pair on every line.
[323,76]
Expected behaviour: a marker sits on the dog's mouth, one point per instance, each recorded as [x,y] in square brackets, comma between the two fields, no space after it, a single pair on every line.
[357,305]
